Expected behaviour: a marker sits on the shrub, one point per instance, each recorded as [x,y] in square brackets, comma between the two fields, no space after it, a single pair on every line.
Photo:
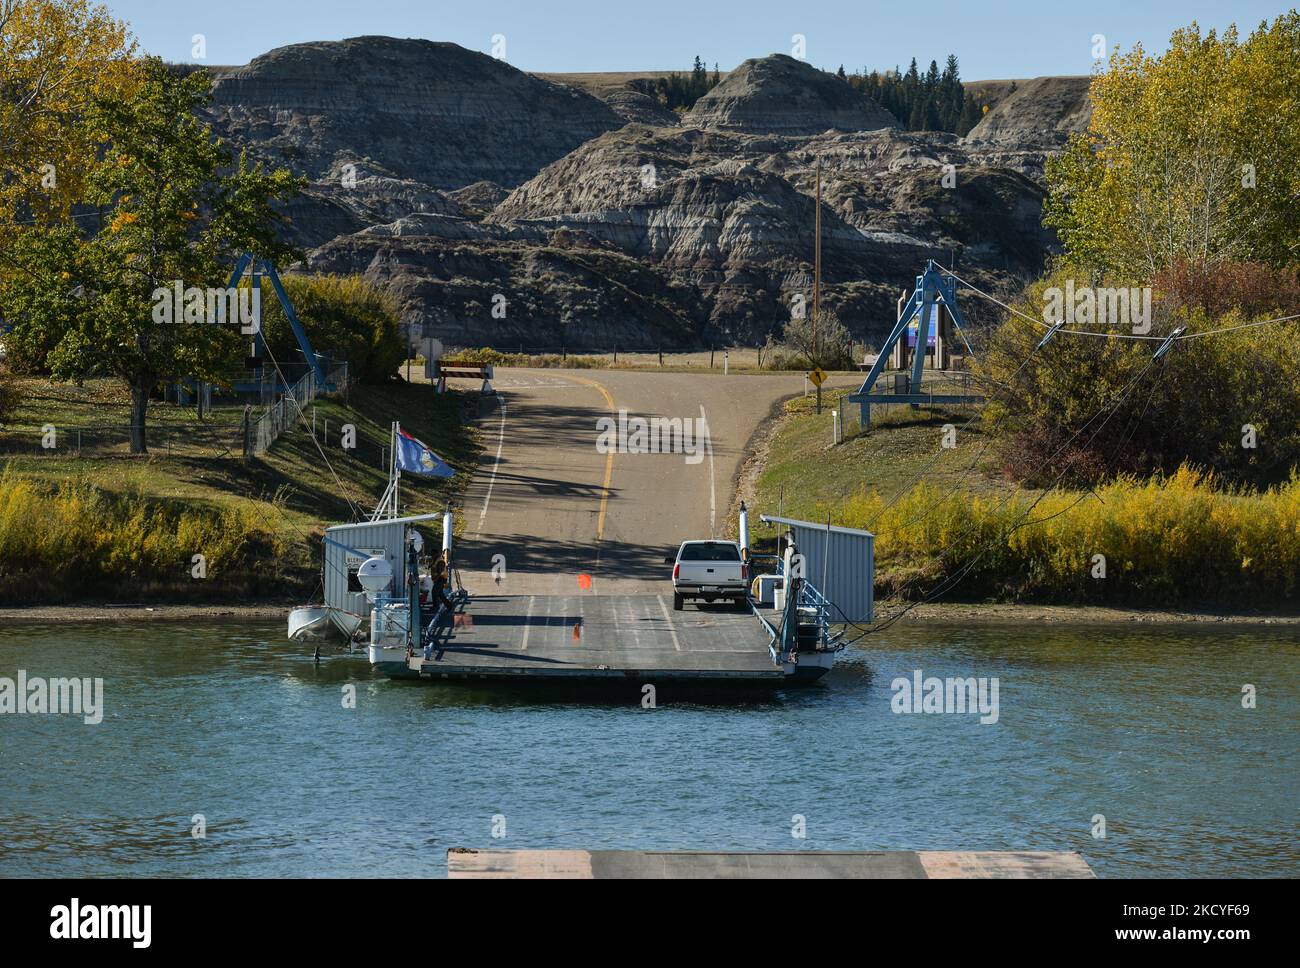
[346,317]
[1190,407]
[76,540]
[1182,540]
[805,344]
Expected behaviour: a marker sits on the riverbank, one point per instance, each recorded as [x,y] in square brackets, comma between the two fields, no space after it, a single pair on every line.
[939,613]
[194,521]
[947,520]
[142,612]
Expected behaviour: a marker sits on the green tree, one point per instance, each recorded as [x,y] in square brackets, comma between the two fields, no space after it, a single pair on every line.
[1189,157]
[178,209]
[346,318]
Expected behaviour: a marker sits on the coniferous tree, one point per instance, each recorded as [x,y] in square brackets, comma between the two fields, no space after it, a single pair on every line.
[930,101]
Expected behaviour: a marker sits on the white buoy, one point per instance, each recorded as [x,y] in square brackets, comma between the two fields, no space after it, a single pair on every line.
[744,532]
[446,534]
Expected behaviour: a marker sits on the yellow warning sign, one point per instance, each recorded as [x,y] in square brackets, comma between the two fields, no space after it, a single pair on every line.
[817,376]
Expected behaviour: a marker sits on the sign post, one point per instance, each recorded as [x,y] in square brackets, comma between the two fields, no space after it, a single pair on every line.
[818,377]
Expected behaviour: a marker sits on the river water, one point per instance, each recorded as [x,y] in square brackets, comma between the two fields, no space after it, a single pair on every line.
[1142,725]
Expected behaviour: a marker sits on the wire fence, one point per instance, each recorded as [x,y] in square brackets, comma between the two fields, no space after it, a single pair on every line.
[235,430]
[113,440]
[714,357]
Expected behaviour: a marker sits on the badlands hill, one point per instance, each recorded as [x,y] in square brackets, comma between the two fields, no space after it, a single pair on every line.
[451,177]
[783,96]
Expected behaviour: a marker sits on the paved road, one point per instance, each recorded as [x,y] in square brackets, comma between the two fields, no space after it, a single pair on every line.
[557,508]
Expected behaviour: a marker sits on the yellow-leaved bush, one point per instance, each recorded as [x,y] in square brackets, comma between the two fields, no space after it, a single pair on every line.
[1182,540]
[74,540]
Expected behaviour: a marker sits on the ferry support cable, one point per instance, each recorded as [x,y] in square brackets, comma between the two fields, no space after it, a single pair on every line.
[961,573]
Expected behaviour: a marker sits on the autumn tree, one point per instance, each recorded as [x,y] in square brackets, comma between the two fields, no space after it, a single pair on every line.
[178,210]
[1189,157]
[56,58]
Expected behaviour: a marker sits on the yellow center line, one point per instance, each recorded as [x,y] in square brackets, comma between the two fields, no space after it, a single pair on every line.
[609,458]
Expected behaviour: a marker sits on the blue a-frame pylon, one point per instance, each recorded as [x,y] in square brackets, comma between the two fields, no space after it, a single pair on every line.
[933,294]
[265,267]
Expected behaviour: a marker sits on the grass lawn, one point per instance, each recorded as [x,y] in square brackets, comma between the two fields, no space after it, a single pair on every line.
[806,476]
[197,465]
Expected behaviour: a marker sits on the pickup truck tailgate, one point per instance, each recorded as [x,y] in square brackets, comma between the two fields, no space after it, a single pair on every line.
[709,564]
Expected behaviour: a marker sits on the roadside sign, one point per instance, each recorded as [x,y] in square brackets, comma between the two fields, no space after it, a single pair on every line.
[817,376]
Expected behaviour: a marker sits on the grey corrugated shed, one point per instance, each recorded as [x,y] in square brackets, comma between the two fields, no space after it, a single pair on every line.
[844,558]
[387,538]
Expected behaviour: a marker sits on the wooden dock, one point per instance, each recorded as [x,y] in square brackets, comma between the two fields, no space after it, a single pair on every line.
[799,865]
[595,637]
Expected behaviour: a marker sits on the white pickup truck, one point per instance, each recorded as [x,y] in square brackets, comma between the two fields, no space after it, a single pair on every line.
[709,570]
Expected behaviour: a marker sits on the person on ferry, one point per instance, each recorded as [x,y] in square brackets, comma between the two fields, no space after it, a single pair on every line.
[439,591]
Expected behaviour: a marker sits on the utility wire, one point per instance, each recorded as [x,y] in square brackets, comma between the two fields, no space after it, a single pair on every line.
[961,573]
[1084,332]
[1130,430]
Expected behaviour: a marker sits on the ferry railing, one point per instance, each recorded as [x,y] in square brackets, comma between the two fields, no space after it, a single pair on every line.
[809,597]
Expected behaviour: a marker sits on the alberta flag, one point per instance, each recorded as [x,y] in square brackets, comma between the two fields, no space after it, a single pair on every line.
[414,457]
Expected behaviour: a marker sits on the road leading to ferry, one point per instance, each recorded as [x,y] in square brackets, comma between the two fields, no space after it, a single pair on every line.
[556,507]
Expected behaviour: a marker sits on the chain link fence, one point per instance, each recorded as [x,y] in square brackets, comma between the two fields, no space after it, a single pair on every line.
[288,410]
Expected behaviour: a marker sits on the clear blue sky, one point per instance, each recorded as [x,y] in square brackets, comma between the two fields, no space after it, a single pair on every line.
[991,40]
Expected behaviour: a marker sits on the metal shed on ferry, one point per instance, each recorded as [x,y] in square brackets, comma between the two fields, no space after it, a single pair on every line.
[840,563]
[347,545]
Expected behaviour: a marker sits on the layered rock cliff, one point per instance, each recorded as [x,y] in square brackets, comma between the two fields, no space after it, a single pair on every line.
[434,113]
[1043,111]
[459,182]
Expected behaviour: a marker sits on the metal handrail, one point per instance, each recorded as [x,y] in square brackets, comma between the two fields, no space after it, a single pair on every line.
[808,596]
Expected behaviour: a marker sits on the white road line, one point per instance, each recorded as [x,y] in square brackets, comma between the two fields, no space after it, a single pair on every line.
[528,621]
[713,497]
[669,619]
[501,440]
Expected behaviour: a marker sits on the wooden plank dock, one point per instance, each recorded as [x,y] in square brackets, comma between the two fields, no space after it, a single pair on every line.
[594,637]
[799,865]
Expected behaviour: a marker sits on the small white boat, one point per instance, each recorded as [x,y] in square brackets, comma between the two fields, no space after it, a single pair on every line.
[318,621]
[345,621]
[310,622]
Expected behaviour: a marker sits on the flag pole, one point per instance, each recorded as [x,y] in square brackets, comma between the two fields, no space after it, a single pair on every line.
[396,472]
